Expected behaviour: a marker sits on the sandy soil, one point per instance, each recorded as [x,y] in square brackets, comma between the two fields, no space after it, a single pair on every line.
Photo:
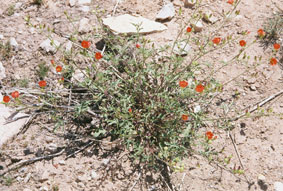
[258,140]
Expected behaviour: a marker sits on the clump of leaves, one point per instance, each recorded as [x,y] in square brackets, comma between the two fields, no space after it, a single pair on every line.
[273,28]
[6,50]
[42,70]
[10,11]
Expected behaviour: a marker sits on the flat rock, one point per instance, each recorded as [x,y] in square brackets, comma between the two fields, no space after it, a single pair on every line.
[127,24]
[2,72]
[84,26]
[209,17]
[68,46]
[72,3]
[182,48]
[13,42]
[167,12]
[48,46]
[278,186]
[83,2]
[52,148]
[190,3]
[198,26]
[7,131]
[84,9]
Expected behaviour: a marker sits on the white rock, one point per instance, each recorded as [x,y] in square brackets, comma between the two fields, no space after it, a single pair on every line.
[105,161]
[18,5]
[32,30]
[43,188]
[48,46]
[167,12]
[69,46]
[84,9]
[78,76]
[62,162]
[83,2]
[72,3]
[19,179]
[253,87]
[182,48]
[27,178]
[26,189]
[44,176]
[84,26]
[209,17]
[1,36]
[190,3]
[93,174]
[261,178]
[52,148]
[48,139]
[7,131]
[126,24]
[278,186]
[2,72]
[198,26]
[197,109]
[13,42]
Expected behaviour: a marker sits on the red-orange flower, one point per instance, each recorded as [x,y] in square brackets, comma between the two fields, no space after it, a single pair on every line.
[52,62]
[85,44]
[183,84]
[59,68]
[98,55]
[185,117]
[230,1]
[261,32]
[276,46]
[242,43]
[6,99]
[15,94]
[216,40]
[273,61]
[42,83]
[209,135]
[199,88]
[189,29]
[130,110]
[138,45]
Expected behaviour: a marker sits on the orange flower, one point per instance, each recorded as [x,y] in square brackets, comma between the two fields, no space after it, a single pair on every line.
[6,99]
[52,62]
[276,46]
[273,61]
[216,40]
[85,44]
[189,29]
[230,2]
[261,32]
[130,110]
[59,68]
[183,84]
[199,88]
[242,43]
[62,79]
[209,135]
[138,46]
[15,94]
[98,56]
[185,117]
[42,83]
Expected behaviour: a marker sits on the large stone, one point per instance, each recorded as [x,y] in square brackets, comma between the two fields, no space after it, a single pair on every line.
[198,26]
[50,46]
[278,186]
[8,130]
[84,26]
[209,17]
[190,3]
[2,72]
[128,24]
[167,12]
[182,48]
[83,2]
[72,3]
[13,42]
